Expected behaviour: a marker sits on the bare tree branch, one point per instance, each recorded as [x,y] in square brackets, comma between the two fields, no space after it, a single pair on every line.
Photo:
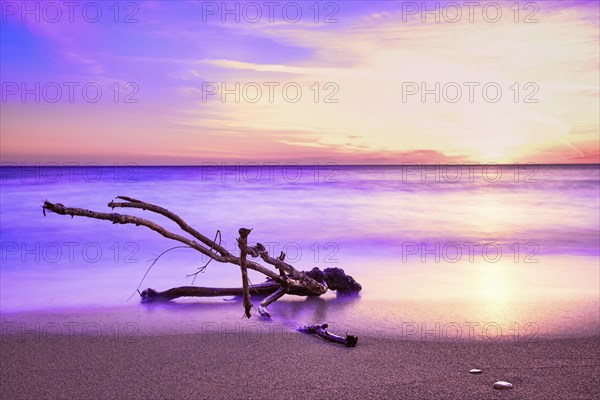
[288,280]
[321,330]
[134,203]
[115,218]
[151,295]
[243,245]
[262,309]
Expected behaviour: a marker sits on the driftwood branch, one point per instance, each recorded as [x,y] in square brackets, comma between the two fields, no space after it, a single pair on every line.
[151,295]
[129,219]
[287,279]
[243,245]
[262,309]
[134,203]
[321,330]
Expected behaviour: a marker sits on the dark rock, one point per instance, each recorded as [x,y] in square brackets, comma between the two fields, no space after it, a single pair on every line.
[148,295]
[317,275]
[337,279]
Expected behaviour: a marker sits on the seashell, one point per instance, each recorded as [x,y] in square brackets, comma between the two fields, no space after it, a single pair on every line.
[502,385]
[475,371]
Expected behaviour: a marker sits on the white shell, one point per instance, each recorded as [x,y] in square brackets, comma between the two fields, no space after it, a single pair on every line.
[503,385]
[475,371]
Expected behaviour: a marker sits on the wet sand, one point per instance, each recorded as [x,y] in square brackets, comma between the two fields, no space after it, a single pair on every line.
[290,365]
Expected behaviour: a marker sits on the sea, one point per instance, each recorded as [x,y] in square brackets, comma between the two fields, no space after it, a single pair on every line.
[443,252]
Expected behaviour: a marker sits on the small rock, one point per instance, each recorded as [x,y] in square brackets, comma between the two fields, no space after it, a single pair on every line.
[502,385]
[475,371]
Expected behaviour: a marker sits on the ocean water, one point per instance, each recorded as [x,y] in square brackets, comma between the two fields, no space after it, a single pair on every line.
[513,248]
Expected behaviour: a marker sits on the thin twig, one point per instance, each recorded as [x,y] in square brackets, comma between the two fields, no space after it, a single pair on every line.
[151,265]
[201,269]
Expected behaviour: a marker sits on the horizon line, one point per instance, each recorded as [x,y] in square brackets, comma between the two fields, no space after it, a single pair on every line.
[255,165]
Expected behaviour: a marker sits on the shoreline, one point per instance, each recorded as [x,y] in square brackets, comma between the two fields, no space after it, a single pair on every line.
[204,349]
[410,320]
[294,366]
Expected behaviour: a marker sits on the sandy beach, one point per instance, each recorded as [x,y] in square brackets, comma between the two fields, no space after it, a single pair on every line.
[293,365]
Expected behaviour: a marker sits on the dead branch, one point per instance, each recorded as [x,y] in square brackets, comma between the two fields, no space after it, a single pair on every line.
[134,203]
[262,309]
[321,330]
[288,280]
[152,296]
[243,245]
[129,219]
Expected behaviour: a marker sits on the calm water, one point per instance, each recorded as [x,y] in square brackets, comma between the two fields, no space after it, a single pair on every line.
[516,247]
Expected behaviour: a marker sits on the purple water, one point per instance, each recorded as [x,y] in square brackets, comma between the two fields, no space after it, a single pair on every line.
[429,245]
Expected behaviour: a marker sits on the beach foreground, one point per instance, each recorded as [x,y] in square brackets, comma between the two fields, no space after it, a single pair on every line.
[290,365]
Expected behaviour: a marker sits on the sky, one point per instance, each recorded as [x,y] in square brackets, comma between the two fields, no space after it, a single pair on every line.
[348,82]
